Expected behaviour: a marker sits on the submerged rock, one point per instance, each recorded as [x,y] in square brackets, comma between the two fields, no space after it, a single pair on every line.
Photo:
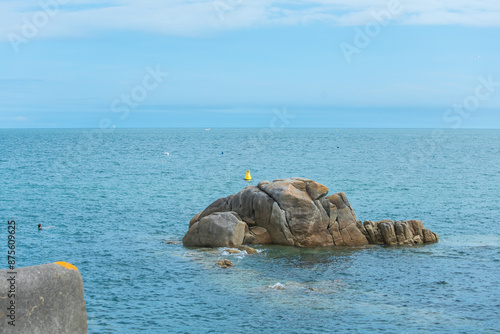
[173,242]
[224,264]
[295,212]
[247,249]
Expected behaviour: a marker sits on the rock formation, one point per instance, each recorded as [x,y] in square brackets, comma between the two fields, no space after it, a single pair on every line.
[295,212]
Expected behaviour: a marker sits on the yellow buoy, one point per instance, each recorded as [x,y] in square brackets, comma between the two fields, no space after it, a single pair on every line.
[248,177]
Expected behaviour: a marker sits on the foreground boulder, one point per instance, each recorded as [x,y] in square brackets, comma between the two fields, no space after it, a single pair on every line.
[295,212]
[46,298]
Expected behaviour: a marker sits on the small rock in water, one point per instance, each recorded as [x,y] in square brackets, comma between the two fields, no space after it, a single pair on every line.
[277,286]
[247,249]
[173,242]
[232,251]
[224,263]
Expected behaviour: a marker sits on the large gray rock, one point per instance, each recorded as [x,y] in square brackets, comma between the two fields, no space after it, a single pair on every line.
[296,212]
[298,217]
[218,229]
[47,298]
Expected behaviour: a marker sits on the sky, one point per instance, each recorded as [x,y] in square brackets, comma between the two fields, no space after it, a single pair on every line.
[242,63]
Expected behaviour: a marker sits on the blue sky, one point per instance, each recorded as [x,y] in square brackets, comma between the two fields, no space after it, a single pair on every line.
[233,63]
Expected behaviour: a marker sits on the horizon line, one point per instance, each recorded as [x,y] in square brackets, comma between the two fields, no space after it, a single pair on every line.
[251,127]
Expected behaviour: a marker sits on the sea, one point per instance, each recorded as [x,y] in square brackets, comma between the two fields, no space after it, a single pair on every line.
[116,203]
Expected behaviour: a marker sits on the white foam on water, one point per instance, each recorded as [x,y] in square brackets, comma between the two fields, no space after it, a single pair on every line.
[277,286]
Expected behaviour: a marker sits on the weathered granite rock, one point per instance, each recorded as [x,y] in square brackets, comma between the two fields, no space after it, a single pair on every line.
[218,229]
[408,232]
[296,217]
[220,205]
[47,298]
[295,212]
[257,235]
[343,225]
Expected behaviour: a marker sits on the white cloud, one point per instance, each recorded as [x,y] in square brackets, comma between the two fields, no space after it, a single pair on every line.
[193,17]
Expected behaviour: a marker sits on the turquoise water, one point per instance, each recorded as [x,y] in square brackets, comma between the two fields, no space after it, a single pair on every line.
[115,199]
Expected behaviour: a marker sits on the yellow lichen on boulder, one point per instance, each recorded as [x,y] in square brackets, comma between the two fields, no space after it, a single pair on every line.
[66,265]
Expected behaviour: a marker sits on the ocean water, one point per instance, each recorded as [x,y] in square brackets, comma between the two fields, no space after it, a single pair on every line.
[114,200]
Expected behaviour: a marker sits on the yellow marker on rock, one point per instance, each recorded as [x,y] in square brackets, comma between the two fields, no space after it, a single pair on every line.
[248,177]
[66,265]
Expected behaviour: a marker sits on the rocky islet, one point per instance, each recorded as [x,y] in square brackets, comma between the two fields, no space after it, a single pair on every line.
[295,212]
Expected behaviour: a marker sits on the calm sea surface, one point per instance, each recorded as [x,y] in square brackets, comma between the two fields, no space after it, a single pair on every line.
[115,199]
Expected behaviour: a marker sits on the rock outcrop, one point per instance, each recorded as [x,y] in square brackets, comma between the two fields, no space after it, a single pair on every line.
[295,212]
[408,232]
